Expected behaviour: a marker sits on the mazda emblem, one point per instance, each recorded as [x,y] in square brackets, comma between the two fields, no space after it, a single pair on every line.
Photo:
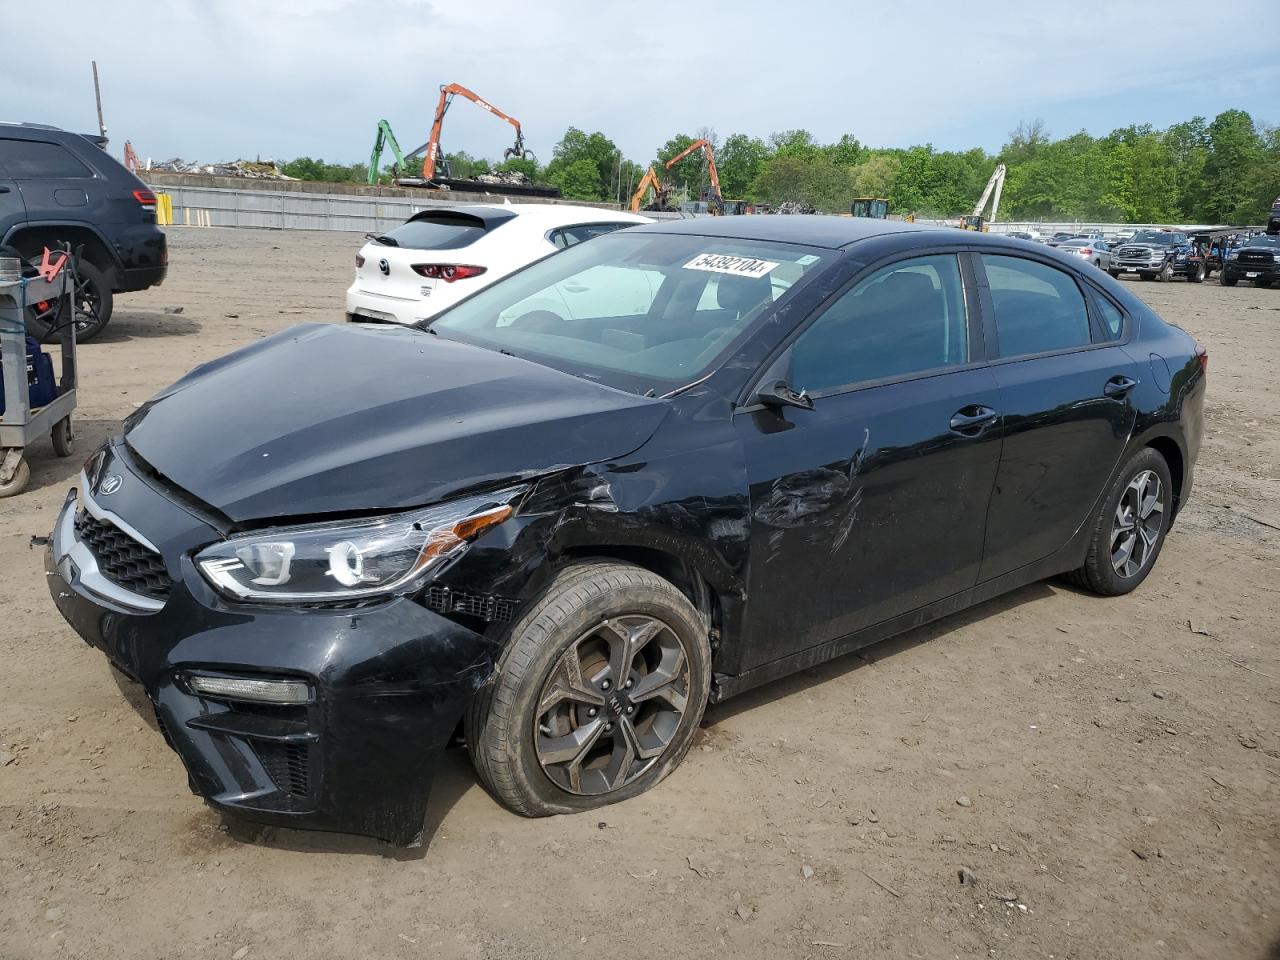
[384,267]
[110,484]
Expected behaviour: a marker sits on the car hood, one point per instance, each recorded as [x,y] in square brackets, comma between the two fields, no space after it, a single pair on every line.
[328,418]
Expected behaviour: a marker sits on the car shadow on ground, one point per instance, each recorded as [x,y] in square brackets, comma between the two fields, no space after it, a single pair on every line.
[868,656]
[144,324]
[50,470]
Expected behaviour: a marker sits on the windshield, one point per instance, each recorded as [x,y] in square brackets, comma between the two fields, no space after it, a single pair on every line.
[1264,241]
[637,311]
[1152,236]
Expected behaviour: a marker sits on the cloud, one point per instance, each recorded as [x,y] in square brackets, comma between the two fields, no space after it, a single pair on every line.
[218,79]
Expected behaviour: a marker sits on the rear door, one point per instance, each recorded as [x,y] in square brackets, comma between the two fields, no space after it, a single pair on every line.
[13,212]
[56,185]
[1064,384]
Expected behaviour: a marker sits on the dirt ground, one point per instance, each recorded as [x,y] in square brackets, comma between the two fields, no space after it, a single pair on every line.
[1108,770]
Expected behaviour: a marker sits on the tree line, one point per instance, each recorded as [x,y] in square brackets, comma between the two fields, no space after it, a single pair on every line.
[1199,171]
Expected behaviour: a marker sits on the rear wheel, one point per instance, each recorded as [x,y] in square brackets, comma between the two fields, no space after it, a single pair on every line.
[61,436]
[1129,528]
[17,481]
[93,306]
[597,696]
[1197,275]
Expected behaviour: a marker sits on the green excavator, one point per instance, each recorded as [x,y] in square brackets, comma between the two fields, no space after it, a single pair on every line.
[386,139]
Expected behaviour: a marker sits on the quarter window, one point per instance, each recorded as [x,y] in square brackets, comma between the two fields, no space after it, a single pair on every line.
[38,160]
[906,318]
[1112,318]
[1038,308]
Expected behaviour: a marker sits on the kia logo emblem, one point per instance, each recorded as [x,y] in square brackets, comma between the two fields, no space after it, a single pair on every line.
[384,267]
[110,484]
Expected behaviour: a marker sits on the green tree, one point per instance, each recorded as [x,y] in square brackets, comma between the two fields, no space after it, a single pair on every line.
[814,181]
[875,176]
[1235,149]
[845,152]
[577,147]
[579,180]
[739,162]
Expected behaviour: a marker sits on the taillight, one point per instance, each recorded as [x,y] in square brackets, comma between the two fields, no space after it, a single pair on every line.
[145,197]
[1203,356]
[1086,252]
[359,259]
[448,272]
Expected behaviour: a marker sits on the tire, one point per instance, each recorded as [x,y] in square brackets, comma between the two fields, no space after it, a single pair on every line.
[1101,572]
[1262,283]
[18,482]
[1166,273]
[511,729]
[1228,281]
[1146,276]
[1115,274]
[94,305]
[1197,275]
[62,437]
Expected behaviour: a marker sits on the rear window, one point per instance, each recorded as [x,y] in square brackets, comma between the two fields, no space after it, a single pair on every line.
[436,232]
[38,160]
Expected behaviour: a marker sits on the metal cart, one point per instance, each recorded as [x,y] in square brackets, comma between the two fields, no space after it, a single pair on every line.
[20,424]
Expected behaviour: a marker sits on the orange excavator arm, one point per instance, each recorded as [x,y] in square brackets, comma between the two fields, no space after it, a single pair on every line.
[447,93]
[650,179]
[705,147]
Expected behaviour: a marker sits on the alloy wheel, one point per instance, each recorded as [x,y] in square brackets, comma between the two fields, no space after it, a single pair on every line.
[88,304]
[1138,523]
[611,705]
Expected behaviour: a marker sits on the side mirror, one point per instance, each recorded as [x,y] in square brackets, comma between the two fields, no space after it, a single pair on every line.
[778,393]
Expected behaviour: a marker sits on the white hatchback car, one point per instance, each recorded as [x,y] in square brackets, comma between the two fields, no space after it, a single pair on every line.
[438,256]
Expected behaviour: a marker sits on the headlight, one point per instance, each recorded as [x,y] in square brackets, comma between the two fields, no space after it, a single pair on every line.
[350,559]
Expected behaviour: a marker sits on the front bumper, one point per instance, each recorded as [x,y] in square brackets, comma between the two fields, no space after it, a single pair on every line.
[388,684]
[1234,270]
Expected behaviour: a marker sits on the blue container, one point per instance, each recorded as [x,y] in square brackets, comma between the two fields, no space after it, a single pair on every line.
[42,389]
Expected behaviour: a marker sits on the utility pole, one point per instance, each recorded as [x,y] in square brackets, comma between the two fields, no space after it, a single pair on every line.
[97,95]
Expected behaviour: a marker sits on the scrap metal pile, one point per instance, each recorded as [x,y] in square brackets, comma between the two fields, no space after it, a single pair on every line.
[247,169]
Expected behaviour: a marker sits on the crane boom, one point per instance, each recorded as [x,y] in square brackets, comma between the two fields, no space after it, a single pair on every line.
[447,93]
[996,184]
[385,138]
[705,147]
[650,179]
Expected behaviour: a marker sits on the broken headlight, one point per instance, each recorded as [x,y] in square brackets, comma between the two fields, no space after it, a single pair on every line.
[350,559]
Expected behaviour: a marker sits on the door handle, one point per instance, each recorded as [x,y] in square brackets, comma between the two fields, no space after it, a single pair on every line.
[971,420]
[1118,386]
[4,189]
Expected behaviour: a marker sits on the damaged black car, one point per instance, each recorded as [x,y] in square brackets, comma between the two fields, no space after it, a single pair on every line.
[640,476]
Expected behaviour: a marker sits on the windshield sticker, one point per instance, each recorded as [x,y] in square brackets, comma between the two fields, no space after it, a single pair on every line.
[807,259]
[730,264]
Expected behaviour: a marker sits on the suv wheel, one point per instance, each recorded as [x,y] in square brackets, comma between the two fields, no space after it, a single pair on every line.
[93,303]
[597,695]
[1129,528]
[1166,272]
[1227,281]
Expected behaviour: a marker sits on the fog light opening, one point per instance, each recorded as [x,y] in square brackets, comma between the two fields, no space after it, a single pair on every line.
[243,688]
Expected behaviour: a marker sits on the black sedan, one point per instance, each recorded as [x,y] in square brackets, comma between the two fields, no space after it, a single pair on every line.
[647,473]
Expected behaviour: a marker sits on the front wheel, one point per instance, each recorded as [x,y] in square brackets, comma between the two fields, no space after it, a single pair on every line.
[1129,528]
[1166,273]
[597,696]
[1227,281]
[1115,274]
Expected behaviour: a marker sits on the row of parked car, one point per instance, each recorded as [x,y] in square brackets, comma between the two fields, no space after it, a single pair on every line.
[1165,254]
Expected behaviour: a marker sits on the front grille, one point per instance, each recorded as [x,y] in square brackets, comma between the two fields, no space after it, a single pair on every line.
[122,559]
[288,765]
[1255,258]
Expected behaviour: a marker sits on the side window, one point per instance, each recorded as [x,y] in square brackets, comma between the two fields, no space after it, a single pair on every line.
[1112,318]
[37,160]
[568,236]
[906,318]
[1038,308]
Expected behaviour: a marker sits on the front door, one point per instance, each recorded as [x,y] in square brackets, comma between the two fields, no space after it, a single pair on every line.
[1064,387]
[872,503]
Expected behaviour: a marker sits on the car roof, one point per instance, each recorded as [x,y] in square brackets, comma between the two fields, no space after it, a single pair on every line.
[816,230]
[535,214]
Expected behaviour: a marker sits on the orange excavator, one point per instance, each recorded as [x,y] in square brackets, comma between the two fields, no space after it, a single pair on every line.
[661,191]
[434,156]
[717,199]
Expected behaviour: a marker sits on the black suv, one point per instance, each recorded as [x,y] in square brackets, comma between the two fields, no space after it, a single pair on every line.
[59,187]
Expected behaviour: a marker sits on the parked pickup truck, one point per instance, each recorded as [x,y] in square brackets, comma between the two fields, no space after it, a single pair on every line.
[1155,254]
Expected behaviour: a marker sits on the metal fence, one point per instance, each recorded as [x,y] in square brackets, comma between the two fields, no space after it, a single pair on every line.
[288,210]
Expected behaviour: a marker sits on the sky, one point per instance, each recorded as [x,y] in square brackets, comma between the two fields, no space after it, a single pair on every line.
[218,80]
